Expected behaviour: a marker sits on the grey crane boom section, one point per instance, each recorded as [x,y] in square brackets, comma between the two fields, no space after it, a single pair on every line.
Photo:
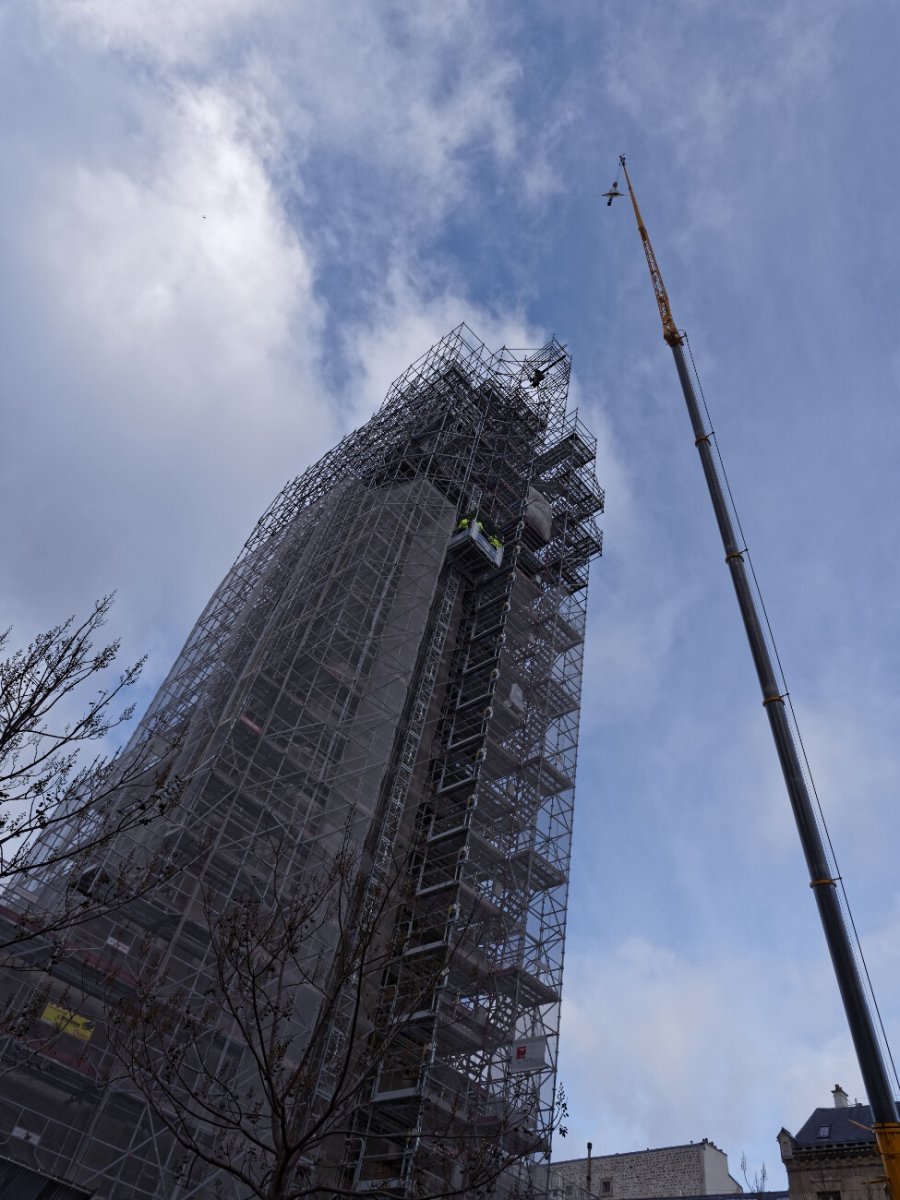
[859,1017]
[868,1051]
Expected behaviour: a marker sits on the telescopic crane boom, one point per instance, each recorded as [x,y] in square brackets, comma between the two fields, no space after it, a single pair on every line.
[859,1016]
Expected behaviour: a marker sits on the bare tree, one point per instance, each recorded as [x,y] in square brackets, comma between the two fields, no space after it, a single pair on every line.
[263,1072]
[758,1184]
[61,804]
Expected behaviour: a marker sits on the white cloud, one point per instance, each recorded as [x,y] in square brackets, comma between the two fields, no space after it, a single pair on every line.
[692,110]
[779,54]
[407,317]
[406,89]
[168,31]
[174,248]
[181,309]
[661,1048]
[191,250]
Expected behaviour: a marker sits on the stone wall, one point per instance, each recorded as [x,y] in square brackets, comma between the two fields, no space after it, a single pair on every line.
[851,1173]
[698,1169]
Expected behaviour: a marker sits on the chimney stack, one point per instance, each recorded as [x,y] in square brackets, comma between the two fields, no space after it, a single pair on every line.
[841,1099]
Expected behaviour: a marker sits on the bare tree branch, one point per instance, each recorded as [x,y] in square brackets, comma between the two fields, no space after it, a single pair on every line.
[251,1080]
[59,810]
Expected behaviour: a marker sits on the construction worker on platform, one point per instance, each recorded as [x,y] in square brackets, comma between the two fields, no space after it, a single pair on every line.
[490,538]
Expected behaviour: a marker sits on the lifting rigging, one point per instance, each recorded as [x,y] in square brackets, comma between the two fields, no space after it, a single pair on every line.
[859,1016]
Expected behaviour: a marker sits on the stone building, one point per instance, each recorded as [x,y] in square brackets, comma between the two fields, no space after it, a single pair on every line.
[697,1169]
[834,1155]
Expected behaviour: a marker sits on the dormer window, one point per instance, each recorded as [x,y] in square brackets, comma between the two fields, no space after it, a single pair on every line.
[824,1130]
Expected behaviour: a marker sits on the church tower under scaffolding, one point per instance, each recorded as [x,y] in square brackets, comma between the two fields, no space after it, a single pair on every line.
[391,671]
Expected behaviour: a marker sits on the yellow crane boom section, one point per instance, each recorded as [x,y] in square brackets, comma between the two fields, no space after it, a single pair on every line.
[670,330]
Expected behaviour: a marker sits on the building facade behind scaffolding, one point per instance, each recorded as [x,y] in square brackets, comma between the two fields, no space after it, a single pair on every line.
[390,675]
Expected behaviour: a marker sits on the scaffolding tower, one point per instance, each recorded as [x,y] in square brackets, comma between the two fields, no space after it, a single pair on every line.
[394,661]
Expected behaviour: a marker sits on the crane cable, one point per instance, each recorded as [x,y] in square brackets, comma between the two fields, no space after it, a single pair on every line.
[796,725]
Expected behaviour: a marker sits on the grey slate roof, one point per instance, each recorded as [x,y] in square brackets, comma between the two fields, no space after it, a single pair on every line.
[840,1124]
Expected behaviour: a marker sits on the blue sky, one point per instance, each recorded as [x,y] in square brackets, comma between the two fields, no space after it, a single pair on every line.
[227,226]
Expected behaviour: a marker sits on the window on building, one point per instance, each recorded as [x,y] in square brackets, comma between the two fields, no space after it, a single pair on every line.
[828,1196]
[606,1187]
[824,1131]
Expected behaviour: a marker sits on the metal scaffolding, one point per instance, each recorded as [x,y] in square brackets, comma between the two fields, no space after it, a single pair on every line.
[394,660]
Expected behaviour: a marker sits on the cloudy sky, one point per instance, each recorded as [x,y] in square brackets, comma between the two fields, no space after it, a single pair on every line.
[226,226]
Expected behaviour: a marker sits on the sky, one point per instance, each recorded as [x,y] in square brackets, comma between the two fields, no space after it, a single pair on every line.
[226,227]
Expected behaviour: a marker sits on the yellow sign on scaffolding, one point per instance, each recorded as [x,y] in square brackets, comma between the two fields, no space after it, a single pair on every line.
[67,1021]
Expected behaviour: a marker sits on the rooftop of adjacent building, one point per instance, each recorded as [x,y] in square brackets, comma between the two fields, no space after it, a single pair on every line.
[843,1124]
[837,1125]
[560,1162]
